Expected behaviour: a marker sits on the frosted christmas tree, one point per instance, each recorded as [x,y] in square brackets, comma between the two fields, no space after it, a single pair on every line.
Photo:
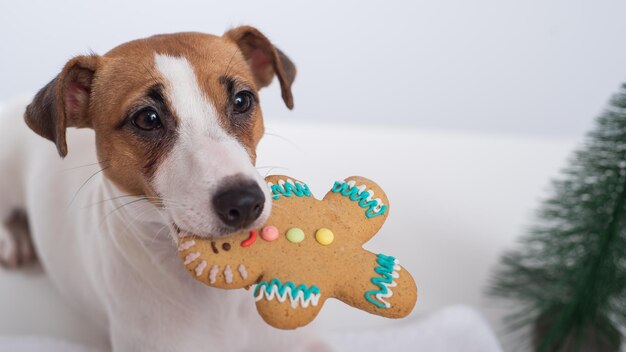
[568,276]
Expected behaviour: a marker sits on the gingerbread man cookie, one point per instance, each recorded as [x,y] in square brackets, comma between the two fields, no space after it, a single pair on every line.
[309,250]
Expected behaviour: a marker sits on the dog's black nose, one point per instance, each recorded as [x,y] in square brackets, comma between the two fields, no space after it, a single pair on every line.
[239,205]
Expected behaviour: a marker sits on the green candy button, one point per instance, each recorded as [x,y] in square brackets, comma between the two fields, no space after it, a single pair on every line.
[295,235]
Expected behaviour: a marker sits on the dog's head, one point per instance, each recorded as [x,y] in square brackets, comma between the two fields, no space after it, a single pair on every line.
[177,119]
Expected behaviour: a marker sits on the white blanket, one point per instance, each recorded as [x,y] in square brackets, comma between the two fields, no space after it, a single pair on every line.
[456,328]
[28,343]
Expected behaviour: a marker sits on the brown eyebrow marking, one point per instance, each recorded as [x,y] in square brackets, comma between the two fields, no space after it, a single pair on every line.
[156,94]
[231,83]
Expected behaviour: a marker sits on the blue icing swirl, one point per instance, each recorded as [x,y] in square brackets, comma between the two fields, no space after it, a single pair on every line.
[362,196]
[386,269]
[281,288]
[289,188]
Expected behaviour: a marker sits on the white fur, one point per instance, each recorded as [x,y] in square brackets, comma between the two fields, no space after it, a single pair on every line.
[112,255]
[203,156]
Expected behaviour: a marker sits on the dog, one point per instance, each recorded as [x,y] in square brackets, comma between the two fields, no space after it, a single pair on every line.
[170,124]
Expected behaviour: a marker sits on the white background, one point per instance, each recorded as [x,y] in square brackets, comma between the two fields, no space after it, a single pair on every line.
[533,67]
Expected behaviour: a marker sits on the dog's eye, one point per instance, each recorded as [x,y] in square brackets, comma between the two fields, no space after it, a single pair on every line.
[147,120]
[242,102]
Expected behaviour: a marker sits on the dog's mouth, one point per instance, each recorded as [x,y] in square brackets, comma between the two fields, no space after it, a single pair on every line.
[219,233]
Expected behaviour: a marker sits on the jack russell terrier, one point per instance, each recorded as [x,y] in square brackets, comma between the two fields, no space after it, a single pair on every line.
[177,121]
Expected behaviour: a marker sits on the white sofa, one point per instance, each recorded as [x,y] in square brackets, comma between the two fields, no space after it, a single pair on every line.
[457,201]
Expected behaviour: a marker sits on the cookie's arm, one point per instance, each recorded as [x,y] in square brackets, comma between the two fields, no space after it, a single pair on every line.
[377,284]
[361,203]
[286,189]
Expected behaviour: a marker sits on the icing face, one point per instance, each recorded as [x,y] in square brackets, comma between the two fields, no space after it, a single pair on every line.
[308,250]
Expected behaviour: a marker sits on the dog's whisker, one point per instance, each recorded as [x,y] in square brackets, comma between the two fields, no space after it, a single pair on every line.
[150,74]
[148,208]
[112,199]
[168,203]
[271,167]
[157,234]
[230,61]
[171,201]
[86,165]
[270,171]
[140,214]
[85,183]
[122,206]
[173,208]
[136,219]
[134,195]
[283,138]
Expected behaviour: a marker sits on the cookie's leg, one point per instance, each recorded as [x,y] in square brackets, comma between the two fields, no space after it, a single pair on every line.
[286,305]
[376,283]
[16,245]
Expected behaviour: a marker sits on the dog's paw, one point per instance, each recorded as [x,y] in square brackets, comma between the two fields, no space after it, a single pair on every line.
[8,249]
[16,246]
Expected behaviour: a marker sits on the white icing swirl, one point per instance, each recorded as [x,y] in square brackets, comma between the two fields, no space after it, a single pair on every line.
[296,301]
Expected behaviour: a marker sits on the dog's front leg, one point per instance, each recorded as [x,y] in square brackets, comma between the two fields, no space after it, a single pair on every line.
[16,246]
[210,320]
[204,320]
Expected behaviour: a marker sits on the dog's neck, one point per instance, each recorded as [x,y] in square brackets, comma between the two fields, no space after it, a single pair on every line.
[141,233]
[142,238]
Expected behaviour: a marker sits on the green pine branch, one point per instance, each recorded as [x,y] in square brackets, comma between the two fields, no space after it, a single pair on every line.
[568,276]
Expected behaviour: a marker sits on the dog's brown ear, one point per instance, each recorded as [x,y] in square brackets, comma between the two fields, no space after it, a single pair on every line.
[265,60]
[64,102]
